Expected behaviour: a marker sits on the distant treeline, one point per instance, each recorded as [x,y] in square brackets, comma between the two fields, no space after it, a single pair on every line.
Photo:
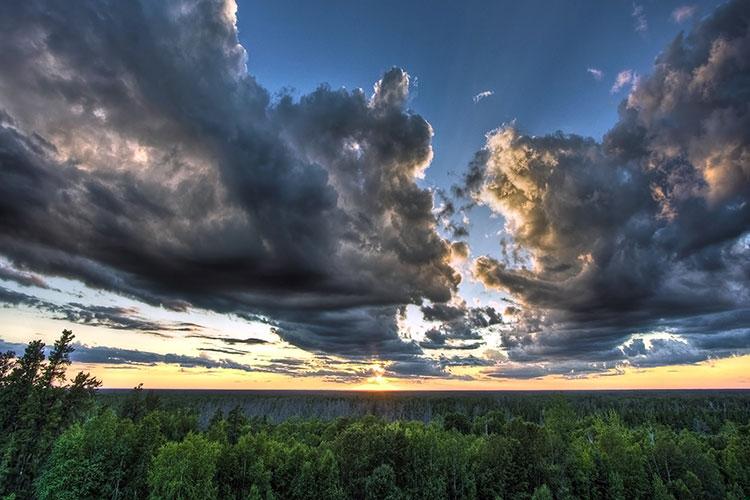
[700,410]
[60,442]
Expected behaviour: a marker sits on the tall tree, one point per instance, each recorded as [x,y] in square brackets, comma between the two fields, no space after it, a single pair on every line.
[36,405]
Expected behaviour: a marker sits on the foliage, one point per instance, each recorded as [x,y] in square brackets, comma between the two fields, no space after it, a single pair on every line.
[185,469]
[36,404]
[105,457]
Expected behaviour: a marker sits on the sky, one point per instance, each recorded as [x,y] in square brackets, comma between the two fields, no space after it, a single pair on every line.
[401,195]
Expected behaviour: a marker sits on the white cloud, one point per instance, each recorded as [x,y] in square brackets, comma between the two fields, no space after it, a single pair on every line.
[624,77]
[482,95]
[641,24]
[596,73]
[683,13]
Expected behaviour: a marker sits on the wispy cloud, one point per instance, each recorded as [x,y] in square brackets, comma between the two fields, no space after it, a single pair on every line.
[8,273]
[483,95]
[105,355]
[641,24]
[683,13]
[230,340]
[116,318]
[596,73]
[624,77]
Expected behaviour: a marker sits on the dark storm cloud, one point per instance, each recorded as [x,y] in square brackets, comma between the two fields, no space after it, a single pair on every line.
[442,312]
[647,231]
[439,339]
[458,324]
[138,156]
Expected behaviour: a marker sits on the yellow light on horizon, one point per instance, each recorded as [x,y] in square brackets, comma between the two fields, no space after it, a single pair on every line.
[723,373]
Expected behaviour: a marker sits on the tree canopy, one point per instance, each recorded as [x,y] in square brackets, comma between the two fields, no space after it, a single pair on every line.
[59,442]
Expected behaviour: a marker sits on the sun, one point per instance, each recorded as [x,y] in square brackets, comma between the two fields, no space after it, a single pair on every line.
[377,381]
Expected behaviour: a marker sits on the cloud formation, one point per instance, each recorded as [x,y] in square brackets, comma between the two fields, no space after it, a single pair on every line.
[645,232]
[623,78]
[22,278]
[596,73]
[156,167]
[114,317]
[104,355]
[458,326]
[683,13]
[483,95]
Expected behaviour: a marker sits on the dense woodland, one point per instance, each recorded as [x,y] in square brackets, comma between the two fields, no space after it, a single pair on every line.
[58,440]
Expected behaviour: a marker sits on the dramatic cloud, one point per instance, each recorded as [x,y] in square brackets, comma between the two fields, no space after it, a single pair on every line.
[460,327]
[646,233]
[139,156]
[683,13]
[483,95]
[596,73]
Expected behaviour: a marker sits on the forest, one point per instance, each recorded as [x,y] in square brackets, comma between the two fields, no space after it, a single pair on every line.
[60,439]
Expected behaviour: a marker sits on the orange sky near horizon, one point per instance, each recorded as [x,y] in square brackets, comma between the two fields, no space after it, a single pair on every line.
[727,373]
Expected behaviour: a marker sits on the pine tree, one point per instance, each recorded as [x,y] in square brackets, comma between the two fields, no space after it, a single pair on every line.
[36,405]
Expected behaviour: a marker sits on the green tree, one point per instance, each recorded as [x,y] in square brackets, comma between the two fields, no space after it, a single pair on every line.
[135,406]
[185,470]
[380,485]
[241,469]
[106,457]
[542,493]
[36,405]
[236,420]
[492,465]
[457,421]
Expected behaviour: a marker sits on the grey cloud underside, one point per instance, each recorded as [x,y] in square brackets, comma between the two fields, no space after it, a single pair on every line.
[223,350]
[117,318]
[132,357]
[22,278]
[647,231]
[138,156]
[460,327]
[334,370]
[230,340]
